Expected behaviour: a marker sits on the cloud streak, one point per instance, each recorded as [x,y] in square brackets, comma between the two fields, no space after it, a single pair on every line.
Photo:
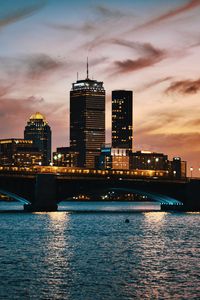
[151,56]
[4,90]
[35,67]
[154,83]
[192,4]
[107,12]
[84,28]
[21,13]
[184,87]
[41,66]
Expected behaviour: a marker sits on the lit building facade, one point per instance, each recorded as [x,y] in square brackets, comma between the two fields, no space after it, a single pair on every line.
[19,152]
[65,157]
[146,160]
[113,159]
[38,130]
[87,120]
[122,119]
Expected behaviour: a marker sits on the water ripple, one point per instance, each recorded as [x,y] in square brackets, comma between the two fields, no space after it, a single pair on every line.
[99,256]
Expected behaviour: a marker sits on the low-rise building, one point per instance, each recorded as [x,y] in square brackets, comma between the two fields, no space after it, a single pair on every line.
[19,152]
[178,168]
[113,158]
[147,160]
[65,157]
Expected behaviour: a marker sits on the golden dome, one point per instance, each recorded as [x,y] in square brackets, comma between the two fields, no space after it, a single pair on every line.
[37,116]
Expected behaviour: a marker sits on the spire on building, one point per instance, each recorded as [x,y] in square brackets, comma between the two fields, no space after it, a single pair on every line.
[87,69]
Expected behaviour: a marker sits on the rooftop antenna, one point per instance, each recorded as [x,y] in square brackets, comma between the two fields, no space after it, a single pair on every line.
[77,76]
[87,69]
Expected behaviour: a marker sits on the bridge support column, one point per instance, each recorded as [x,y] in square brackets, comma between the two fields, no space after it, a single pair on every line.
[193,195]
[45,194]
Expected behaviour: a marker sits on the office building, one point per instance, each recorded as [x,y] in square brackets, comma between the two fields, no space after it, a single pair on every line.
[38,130]
[113,159]
[19,152]
[147,160]
[87,120]
[65,157]
[122,119]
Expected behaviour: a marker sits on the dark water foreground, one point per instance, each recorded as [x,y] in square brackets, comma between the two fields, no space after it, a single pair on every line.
[98,256]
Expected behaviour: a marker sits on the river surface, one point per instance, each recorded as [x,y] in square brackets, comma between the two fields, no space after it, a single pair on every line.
[95,256]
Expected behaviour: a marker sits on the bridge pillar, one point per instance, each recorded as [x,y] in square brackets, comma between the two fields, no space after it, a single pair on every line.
[193,195]
[45,194]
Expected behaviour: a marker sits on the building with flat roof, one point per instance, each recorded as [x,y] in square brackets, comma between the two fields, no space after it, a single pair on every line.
[87,120]
[65,157]
[113,159]
[147,160]
[122,119]
[19,152]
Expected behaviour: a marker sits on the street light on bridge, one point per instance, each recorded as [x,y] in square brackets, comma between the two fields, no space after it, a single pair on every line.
[191,170]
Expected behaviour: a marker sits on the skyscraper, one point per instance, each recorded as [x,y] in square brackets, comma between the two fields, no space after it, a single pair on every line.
[122,119]
[87,120]
[38,130]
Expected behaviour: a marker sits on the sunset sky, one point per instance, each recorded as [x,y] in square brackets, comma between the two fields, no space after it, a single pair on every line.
[151,47]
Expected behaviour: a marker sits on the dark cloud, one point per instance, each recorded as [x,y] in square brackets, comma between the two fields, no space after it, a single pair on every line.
[5,89]
[85,28]
[35,67]
[108,12]
[153,83]
[184,87]
[144,48]
[41,65]
[92,26]
[151,56]
[19,12]
[170,14]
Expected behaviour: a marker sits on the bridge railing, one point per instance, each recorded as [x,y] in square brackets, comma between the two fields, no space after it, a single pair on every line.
[153,174]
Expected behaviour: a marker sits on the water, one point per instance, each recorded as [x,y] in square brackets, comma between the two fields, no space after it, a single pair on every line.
[109,206]
[98,256]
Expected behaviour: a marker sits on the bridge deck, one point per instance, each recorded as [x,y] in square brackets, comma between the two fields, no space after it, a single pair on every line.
[92,174]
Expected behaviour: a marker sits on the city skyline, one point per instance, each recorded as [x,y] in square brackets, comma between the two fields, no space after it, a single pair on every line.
[45,43]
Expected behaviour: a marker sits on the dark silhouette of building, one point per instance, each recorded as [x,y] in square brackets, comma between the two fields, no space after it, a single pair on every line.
[19,152]
[65,157]
[122,119]
[87,120]
[147,160]
[178,167]
[38,130]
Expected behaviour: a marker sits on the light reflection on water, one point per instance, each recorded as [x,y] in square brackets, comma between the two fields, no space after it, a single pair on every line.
[99,256]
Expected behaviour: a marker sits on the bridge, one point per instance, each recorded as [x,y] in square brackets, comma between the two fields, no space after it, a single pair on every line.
[42,188]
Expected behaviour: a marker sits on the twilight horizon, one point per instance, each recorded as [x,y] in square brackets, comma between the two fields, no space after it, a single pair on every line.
[150,48]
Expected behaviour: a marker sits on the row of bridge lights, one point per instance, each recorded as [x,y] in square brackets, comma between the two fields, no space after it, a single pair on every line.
[191,170]
[149,161]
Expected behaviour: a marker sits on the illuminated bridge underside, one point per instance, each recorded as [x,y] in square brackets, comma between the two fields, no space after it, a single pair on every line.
[14,196]
[162,199]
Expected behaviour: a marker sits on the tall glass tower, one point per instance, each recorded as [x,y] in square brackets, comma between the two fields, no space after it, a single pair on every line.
[38,130]
[87,120]
[122,119]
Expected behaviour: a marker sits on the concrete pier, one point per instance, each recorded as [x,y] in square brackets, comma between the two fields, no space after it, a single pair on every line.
[45,194]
